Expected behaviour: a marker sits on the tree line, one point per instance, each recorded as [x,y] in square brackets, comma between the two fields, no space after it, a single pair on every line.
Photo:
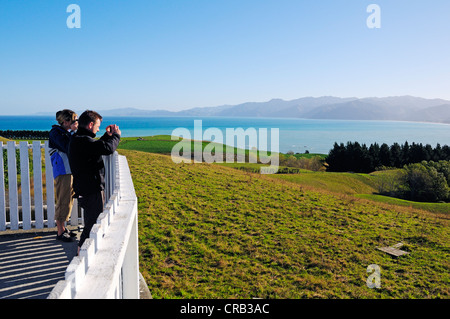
[358,158]
[25,134]
[422,182]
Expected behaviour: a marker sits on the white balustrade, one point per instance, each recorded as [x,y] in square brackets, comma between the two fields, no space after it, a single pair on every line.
[32,212]
[108,263]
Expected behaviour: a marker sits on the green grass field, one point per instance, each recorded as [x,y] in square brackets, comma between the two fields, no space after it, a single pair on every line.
[153,144]
[439,208]
[360,185]
[346,183]
[210,231]
[163,144]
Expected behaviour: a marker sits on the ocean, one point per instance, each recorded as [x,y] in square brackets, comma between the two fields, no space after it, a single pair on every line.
[297,135]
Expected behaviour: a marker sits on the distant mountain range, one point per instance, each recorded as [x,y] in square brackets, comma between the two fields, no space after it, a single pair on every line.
[398,108]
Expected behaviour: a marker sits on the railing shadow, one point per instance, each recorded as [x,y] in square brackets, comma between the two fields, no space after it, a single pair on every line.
[32,263]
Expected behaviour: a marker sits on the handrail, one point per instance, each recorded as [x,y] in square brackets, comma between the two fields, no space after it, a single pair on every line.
[27,221]
[40,215]
[108,264]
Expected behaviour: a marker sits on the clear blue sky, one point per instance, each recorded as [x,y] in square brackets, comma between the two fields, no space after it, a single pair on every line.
[178,54]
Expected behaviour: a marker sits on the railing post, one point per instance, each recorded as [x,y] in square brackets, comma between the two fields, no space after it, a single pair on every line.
[62,290]
[12,185]
[25,185]
[75,273]
[87,252]
[107,163]
[38,194]
[50,190]
[114,172]
[130,267]
[74,214]
[2,192]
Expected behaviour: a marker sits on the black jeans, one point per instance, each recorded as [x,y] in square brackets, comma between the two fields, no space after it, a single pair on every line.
[93,207]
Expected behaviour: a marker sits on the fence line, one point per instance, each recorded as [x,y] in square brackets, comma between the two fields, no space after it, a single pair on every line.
[34,211]
[2,192]
[31,211]
[108,264]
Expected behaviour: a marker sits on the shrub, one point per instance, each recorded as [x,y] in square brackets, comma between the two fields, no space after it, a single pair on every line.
[426,183]
[314,163]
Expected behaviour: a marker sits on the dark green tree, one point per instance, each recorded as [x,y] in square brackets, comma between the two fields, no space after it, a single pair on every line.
[385,155]
[396,155]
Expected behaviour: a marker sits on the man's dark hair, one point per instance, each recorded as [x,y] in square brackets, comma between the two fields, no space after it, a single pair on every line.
[87,117]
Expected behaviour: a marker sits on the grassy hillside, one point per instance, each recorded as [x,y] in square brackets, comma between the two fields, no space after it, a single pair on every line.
[163,144]
[209,231]
[439,208]
[360,185]
[346,183]
[153,144]
[4,140]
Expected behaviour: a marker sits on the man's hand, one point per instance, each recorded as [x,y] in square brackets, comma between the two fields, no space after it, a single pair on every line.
[117,130]
[113,129]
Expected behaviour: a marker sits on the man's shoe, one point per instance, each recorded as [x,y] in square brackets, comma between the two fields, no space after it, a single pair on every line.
[64,237]
[71,233]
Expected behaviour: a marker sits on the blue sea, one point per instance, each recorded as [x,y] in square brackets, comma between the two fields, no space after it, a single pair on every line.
[297,135]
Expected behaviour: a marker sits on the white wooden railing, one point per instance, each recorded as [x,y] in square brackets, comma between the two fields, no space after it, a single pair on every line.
[13,216]
[108,263]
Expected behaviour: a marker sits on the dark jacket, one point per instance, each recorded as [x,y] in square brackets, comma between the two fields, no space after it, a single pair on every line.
[58,144]
[86,162]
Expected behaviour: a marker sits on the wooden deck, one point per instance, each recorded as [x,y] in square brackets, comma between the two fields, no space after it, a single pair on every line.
[31,263]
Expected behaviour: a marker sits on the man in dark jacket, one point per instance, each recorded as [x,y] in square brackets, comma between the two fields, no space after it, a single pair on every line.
[88,170]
